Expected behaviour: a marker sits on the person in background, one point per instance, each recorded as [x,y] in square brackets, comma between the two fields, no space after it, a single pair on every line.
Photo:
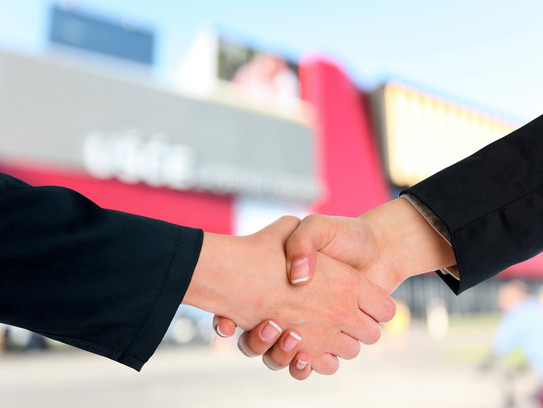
[521,327]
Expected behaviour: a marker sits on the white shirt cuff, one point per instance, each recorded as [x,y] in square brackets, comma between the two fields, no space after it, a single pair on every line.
[438,226]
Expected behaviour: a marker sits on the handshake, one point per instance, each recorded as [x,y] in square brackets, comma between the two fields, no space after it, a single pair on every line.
[308,292]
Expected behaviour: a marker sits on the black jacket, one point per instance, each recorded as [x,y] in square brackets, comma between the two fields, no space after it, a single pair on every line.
[101,280]
[492,205]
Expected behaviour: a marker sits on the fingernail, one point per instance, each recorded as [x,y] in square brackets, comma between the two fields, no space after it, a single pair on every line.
[299,271]
[270,331]
[220,333]
[300,364]
[291,341]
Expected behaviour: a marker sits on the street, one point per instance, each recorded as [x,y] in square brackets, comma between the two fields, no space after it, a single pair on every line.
[428,373]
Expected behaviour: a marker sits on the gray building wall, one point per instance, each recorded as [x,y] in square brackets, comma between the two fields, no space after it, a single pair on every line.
[53,111]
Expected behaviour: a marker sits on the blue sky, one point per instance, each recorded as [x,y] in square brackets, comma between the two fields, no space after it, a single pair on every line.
[487,53]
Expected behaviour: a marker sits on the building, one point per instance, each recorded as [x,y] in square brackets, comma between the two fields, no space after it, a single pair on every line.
[211,156]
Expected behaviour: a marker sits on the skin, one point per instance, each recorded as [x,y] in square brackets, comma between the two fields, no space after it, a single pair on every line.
[386,245]
[243,278]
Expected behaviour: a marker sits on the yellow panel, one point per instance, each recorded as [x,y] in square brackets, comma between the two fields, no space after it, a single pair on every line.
[424,133]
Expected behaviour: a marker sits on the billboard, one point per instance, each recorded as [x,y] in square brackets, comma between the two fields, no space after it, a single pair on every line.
[228,69]
[421,133]
[258,75]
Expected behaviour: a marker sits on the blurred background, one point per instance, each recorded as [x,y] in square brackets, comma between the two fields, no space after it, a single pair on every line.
[227,115]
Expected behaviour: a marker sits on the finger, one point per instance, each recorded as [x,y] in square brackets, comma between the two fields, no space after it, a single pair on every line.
[313,234]
[300,367]
[354,319]
[282,353]
[375,302]
[347,347]
[362,328]
[259,340]
[224,327]
[344,346]
[326,364]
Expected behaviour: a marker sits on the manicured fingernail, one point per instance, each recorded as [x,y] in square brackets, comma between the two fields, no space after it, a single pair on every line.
[291,341]
[270,331]
[220,333]
[299,271]
[300,364]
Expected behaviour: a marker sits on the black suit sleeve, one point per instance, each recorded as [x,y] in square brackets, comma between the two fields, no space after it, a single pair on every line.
[101,280]
[492,205]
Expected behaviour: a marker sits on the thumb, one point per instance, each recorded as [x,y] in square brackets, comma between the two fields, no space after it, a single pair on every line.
[313,234]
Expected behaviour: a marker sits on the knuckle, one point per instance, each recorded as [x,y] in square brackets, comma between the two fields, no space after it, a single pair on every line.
[298,245]
[313,219]
[289,219]
[296,241]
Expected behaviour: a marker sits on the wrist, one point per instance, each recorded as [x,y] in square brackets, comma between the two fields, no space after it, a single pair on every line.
[408,244]
[241,278]
[209,288]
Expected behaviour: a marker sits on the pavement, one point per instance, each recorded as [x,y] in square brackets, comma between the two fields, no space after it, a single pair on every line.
[417,371]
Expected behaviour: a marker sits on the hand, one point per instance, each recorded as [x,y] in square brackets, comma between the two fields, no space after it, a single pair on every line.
[387,245]
[243,278]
